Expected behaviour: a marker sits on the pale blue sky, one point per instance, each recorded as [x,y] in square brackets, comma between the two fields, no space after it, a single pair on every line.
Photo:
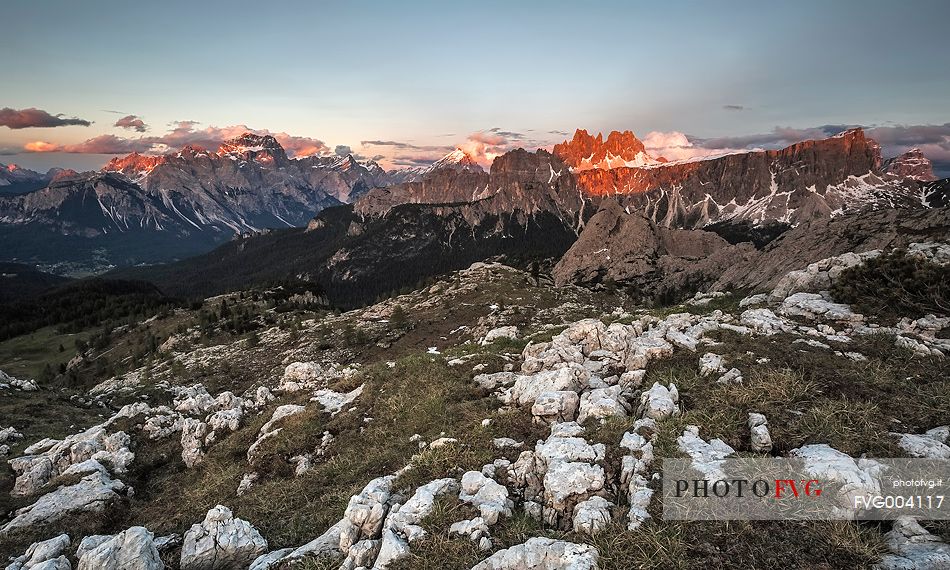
[347,72]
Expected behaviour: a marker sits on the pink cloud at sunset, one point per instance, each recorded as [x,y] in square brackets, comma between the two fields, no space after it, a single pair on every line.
[181,134]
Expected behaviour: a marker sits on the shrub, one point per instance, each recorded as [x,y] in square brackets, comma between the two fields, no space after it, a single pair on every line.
[895,285]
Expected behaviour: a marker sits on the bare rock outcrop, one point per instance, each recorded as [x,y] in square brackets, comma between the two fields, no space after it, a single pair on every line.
[617,246]
[221,541]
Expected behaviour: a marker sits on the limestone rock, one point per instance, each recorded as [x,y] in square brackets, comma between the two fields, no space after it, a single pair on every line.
[914,548]
[473,529]
[334,402]
[644,349]
[592,516]
[492,381]
[92,494]
[193,434]
[132,549]
[404,520]
[256,450]
[221,541]
[659,402]
[487,495]
[707,457]
[48,554]
[570,378]
[509,332]
[327,545]
[732,376]
[300,375]
[366,512]
[828,464]
[362,554]
[49,458]
[603,403]
[815,307]
[759,299]
[635,470]
[763,321]
[554,407]
[542,554]
[280,413]
[930,445]
[759,437]
[819,275]
[711,363]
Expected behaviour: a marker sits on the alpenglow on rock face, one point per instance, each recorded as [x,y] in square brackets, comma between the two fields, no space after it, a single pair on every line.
[585,151]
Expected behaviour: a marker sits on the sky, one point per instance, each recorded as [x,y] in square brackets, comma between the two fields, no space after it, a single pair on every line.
[406,82]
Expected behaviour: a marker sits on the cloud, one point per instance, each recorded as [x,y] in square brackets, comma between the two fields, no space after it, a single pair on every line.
[400,161]
[507,134]
[342,150]
[26,118]
[932,140]
[132,122]
[674,145]
[486,146]
[403,154]
[407,146]
[778,137]
[180,134]
[40,146]
[733,107]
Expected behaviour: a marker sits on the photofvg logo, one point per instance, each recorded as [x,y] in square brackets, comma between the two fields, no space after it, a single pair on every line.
[805,489]
[762,488]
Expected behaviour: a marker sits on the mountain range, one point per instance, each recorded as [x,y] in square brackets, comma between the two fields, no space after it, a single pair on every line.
[349,222]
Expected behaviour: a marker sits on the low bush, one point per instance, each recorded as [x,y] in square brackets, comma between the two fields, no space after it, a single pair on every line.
[895,285]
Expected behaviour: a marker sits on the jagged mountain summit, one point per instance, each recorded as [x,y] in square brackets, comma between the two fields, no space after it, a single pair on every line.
[458,159]
[911,164]
[585,152]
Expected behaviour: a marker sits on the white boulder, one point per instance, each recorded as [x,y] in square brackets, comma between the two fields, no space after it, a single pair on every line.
[487,495]
[592,516]
[221,541]
[509,332]
[930,444]
[554,407]
[708,457]
[132,549]
[48,554]
[659,402]
[759,438]
[542,554]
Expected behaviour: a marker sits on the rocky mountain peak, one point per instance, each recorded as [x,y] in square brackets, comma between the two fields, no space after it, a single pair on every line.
[250,146]
[12,174]
[911,164]
[192,151]
[134,165]
[585,152]
[63,174]
[458,159]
